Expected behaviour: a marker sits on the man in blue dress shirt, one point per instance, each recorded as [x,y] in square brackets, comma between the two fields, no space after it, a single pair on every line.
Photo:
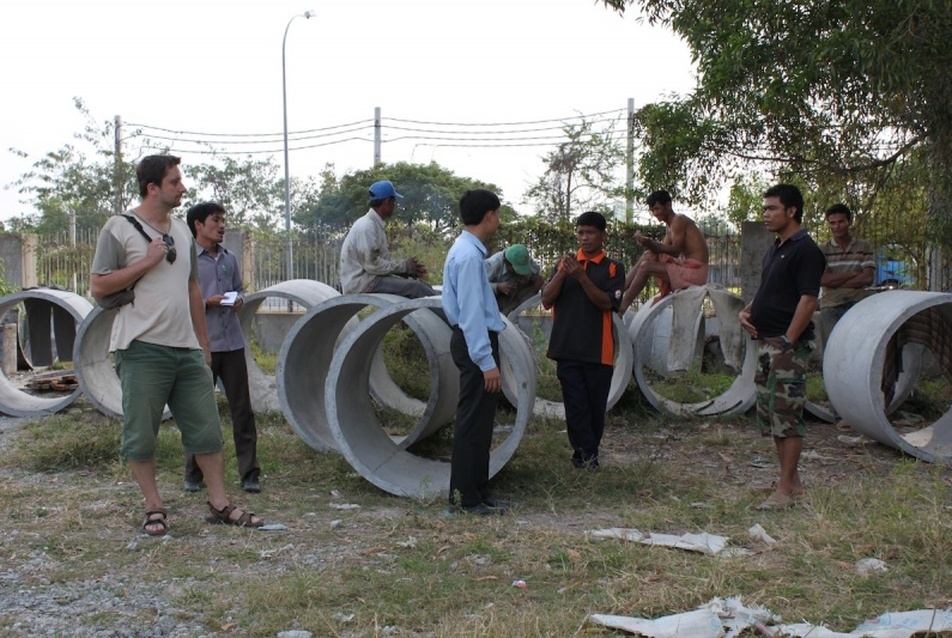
[470,307]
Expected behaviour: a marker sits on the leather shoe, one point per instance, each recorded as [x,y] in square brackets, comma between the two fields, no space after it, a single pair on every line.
[497,504]
[482,509]
[252,485]
[193,486]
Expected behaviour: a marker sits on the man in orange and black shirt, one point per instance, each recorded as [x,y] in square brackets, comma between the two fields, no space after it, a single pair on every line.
[584,293]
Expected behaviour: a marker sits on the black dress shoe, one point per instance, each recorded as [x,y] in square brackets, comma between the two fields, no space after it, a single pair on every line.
[481,509]
[252,485]
[495,503]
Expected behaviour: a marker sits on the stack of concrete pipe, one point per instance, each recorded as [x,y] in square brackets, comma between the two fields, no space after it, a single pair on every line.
[330,403]
[331,371]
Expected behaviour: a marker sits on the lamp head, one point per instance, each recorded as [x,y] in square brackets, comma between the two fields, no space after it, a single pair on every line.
[309,13]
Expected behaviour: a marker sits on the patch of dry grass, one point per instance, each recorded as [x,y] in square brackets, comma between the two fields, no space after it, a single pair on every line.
[71,514]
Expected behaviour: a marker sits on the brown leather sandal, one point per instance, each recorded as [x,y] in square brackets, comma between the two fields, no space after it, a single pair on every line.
[156,517]
[223,517]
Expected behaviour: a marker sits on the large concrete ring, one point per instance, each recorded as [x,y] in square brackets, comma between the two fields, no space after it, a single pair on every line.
[358,432]
[304,292]
[307,352]
[621,373]
[905,382]
[95,369]
[16,402]
[854,364]
[682,339]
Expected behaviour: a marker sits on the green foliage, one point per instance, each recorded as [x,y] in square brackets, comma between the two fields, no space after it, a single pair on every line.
[431,196]
[746,199]
[550,240]
[251,190]
[580,174]
[86,181]
[70,182]
[829,94]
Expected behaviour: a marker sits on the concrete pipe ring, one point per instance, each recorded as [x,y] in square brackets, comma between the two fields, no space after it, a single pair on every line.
[359,434]
[307,293]
[905,382]
[305,359]
[13,400]
[866,350]
[623,359]
[671,335]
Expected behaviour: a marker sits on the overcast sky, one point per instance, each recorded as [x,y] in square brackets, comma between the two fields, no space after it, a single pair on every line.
[211,70]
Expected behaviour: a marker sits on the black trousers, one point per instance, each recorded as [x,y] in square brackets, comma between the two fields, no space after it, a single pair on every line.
[473,431]
[231,368]
[585,388]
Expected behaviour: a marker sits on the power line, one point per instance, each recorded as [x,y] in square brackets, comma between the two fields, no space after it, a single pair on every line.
[590,115]
[343,129]
[277,135]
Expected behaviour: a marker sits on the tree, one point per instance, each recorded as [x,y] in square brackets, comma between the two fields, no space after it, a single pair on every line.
[431,196]
[830,93]
[250,190]
[80,180]
[580,173]
[69,183]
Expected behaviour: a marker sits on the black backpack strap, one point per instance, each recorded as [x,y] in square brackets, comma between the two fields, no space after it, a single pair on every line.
[135,222]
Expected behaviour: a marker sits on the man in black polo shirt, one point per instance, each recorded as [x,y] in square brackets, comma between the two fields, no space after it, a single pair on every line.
[584,292]
[780,319]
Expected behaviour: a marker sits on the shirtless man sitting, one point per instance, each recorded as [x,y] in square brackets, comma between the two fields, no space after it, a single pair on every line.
[681,260]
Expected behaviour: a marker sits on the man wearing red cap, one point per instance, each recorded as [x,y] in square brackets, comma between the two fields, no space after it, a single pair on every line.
[365,262]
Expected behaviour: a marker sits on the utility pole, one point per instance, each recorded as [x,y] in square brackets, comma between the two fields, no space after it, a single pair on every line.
[377,130]
[630,157]
[117,168]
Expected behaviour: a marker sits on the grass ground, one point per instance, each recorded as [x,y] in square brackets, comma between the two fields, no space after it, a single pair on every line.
[394,566]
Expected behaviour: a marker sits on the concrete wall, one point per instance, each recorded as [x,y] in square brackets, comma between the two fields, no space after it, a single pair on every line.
[18,253]
[755,240]
[270,329]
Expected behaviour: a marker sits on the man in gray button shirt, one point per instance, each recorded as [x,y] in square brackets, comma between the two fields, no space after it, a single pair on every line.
[219,274]
[365,262]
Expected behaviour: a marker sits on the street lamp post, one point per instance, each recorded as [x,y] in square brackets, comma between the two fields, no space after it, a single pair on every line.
[287,171]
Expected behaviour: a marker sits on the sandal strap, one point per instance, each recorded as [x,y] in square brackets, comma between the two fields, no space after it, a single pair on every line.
[222,514]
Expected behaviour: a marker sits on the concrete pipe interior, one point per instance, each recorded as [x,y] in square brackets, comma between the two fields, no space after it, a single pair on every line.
[307,352]
[95,368]
[306,293]
[912,356]
[361,437]
[535,323]
[673,336]
[867,350]
[15,401]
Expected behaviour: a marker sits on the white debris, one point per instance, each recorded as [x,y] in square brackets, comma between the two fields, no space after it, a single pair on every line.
[758,533]
[729,617]
[703,542]
[345,506]
[719,618]
[866,566]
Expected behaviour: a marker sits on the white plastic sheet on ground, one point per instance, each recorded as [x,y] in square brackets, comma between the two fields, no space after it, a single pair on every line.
[729,617]
[705,543]
[716,619]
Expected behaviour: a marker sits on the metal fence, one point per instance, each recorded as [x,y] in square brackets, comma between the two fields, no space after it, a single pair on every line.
[65,263]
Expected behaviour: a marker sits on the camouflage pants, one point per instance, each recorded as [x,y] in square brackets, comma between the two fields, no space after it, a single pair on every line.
[781,386]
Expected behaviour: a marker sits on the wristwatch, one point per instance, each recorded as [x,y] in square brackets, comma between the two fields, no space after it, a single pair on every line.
[784,340]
